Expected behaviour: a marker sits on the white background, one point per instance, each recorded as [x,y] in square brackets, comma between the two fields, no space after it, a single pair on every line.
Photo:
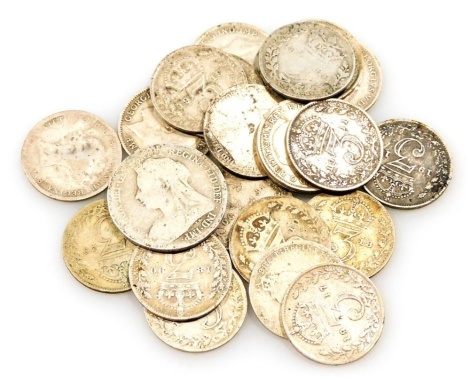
[85,55]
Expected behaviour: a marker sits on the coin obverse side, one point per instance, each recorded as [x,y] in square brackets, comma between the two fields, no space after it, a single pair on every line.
[361,229]
[307,61]
[242,40]
[71,155]
[184,285]
[187,80]
[334,145]
[270,222]
[167,198]
[333,314]
[95,251]
[210,331]
[242,192]
[416,169]
[271,148]
[230,125]
[140,127]
[275,271]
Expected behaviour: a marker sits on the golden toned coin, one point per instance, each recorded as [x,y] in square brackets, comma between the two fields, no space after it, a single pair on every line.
[95,251]
[167,198]
[210,331]
[307,61]
[187,80]
[270,222]
[361,229]
[230,125]
[334,145]
[140,126]
[242,192]
[242,40]
[252,75]
[275,271]
[333,314]
[184,285]
[71,155]
[368,86]
[271,148]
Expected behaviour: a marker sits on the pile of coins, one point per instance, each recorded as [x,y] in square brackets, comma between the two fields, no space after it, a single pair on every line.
[228,128]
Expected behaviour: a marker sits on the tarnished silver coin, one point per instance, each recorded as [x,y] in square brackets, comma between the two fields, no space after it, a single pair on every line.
[275,271]
[140,126]
[416,168]
[230,124]
[333,314]
[71,155]
[207,332]
[252,76]
[334,145]
[307,61]
[187,80]
[181,286]
[167,198]
[242,40]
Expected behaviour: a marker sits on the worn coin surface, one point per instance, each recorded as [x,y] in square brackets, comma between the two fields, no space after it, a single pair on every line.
[368,85]
[307,61]
[416,168]
[184,285]
[333,314]
[276,269]
[361,229]
[240,39]
[187,80]
[270,222]
[271,147]
[167,198]
[95,251]
[242,192]
[252,75]
[207,332]
[71,155]
[140,126]
[334,145]
[230,125]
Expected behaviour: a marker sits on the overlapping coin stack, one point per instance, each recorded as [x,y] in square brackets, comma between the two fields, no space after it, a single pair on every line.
[278,113]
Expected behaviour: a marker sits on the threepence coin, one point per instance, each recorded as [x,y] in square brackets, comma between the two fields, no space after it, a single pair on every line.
[307,61]
[416,168]
[333,314]
[270,222]
[242,40]
[71,155]
[184,285]
[271,147]
[140,126]
[334,145]
[361,229]
[95,251]
[275,271]
[230,125]
[187,80]
[208,332]
[167,198]
[252,75]
[242,192]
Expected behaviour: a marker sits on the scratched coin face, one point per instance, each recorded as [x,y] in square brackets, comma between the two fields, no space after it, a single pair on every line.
[167,198]
[95,251]
[333,314]
[270,222]
[210,331]
[334,145]
[416,169]
[140,126]
[71,155]
[184,285]
[187,80]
